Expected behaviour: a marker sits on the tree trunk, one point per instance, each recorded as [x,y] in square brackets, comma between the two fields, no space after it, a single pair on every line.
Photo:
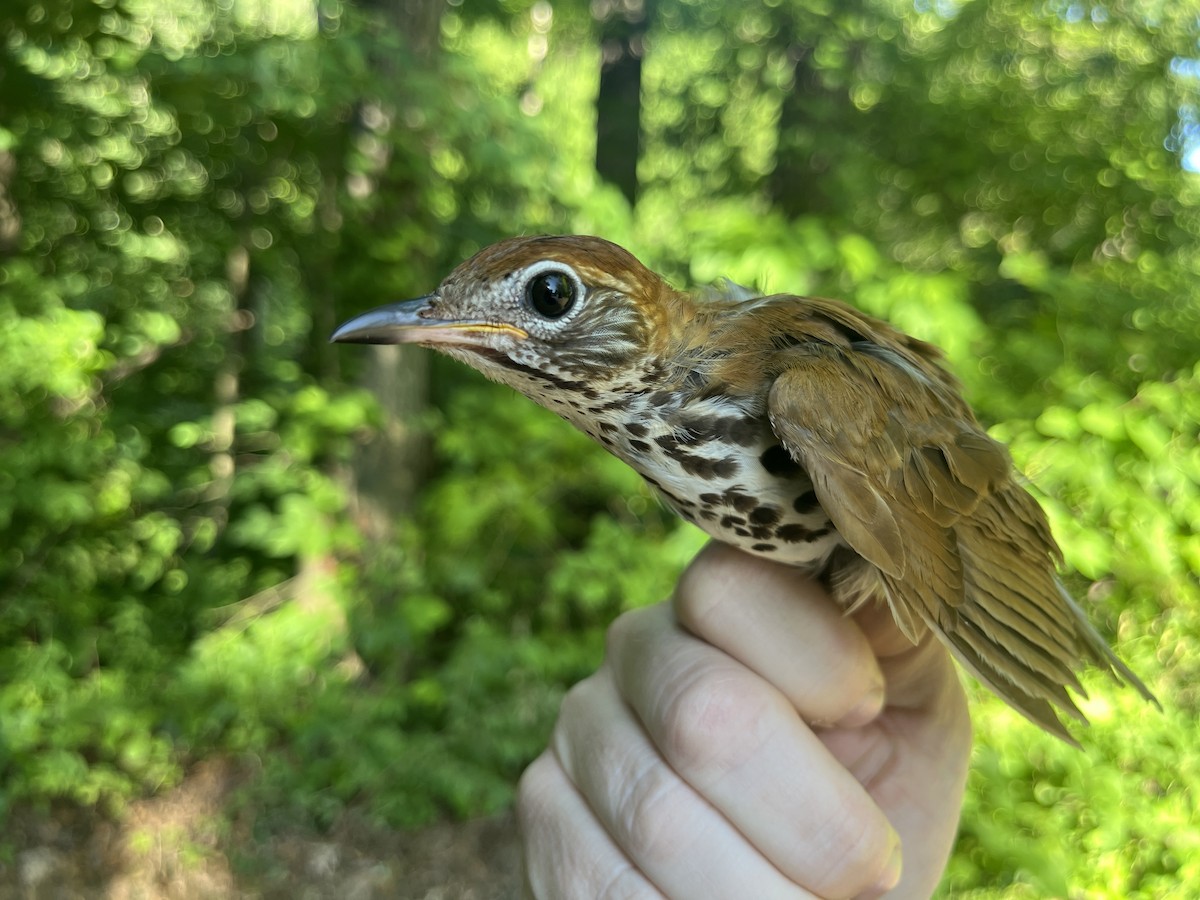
[227,387]
[10,216]
[619,103]
[796,183]
[387,470]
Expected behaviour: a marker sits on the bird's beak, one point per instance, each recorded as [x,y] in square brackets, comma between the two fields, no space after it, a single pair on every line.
[411,322]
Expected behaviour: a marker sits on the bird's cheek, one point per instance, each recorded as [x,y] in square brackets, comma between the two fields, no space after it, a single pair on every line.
[500,345]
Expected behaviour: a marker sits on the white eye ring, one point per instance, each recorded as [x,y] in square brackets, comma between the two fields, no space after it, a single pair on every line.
[552,290]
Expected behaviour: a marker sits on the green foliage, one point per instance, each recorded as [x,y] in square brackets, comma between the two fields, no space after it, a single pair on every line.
[193,194]
[199,189]
[1121,477]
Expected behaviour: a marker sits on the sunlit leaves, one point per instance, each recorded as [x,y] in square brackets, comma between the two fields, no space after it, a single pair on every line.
[117,309]
[203,189]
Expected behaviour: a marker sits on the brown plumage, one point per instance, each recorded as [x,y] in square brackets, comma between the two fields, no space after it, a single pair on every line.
[795,428]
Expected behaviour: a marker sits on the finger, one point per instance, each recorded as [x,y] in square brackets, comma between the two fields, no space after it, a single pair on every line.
[913,759]
[783,625]
[741,745]
[567,853]
[673,835]
[877,623]
[919,676]
[914,764]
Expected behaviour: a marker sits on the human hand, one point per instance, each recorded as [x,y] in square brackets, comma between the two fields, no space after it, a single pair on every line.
[752,754]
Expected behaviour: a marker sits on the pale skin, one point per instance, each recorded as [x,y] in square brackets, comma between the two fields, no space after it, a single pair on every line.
[748,739]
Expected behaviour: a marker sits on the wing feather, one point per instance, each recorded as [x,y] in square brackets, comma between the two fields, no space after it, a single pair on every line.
[917,489]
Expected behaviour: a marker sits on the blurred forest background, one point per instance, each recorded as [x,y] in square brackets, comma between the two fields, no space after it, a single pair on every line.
[364,578]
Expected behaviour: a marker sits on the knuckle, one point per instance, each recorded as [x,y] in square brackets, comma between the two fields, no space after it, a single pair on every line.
[650,811]
[555,862]
[715,720]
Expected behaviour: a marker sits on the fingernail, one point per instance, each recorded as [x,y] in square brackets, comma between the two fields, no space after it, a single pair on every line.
[890,876]
[865,710]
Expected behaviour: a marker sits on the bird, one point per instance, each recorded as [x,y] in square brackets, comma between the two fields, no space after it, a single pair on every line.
[797,429]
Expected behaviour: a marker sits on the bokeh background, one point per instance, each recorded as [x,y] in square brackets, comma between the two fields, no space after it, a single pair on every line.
[357,582]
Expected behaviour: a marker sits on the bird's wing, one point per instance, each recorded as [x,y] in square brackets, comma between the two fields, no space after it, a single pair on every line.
[916,488]
[890,450]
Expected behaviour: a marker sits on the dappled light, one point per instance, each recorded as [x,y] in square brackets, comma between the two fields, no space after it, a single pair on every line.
[368,582]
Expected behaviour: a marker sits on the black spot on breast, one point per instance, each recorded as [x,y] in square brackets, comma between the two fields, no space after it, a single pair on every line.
[765,515]
[806,502]
[637,429]
[668,442]
[760,532]
[738,430]
[743,503]
[763,548]
[741,532]
[778,462]
[711,499]
[705,468]
[608,427]
[742,432]
[702,467]
[640,446]
[730,521]
[795,533]
[663,398]
[707,514]
[726,467]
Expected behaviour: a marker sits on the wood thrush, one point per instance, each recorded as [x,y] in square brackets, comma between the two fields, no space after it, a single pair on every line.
[794,428]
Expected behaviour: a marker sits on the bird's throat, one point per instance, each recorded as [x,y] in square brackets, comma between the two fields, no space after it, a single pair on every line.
[718,466]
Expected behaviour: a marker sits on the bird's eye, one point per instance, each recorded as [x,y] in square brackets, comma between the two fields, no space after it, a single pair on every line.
[550,294]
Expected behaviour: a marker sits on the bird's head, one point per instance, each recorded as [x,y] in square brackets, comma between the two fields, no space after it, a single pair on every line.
[536,313]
